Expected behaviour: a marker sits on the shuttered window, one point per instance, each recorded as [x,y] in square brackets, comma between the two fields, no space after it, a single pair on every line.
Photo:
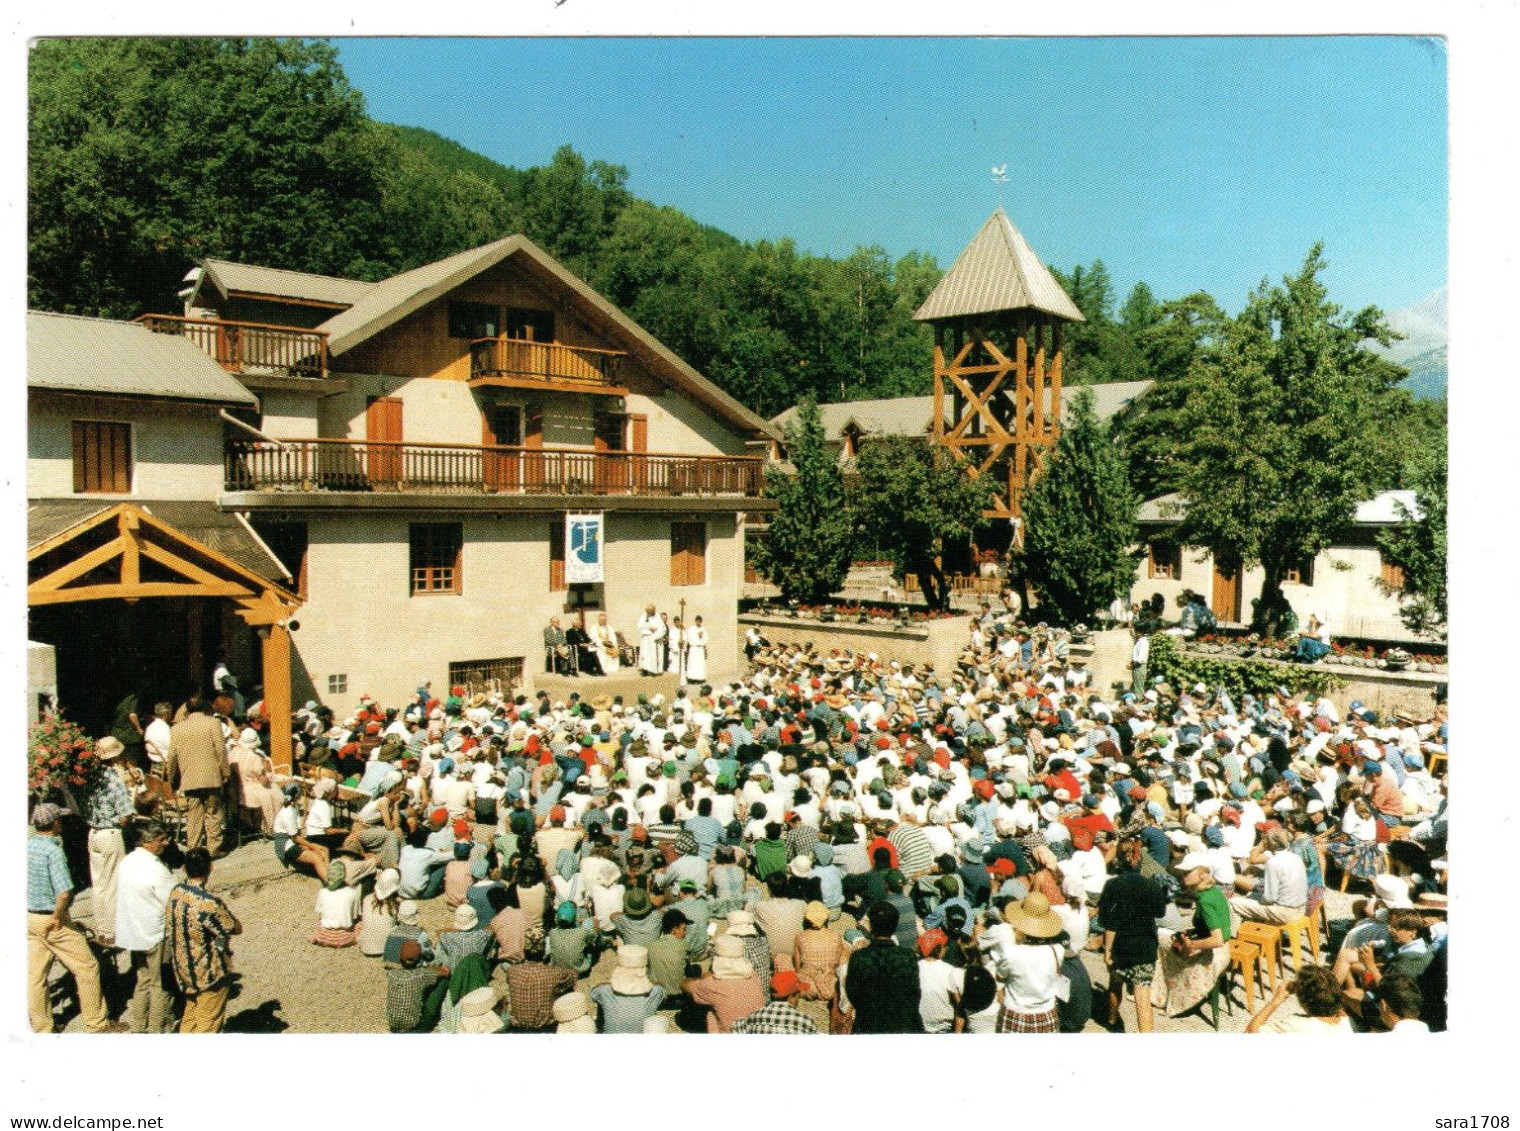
[1393,575]
[1165,562]
[557,556]
[436,551]
[102,457]
[688,553]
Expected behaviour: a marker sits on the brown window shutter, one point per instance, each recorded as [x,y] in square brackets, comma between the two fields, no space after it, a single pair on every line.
[557,556]
[81,447]
[677,555]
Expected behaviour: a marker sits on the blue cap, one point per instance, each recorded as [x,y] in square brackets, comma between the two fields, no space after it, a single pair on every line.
[1413,762]
[1214,835]
[1238,790]
[1371,768]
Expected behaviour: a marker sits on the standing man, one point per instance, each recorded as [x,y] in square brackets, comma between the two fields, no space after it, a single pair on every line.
[127,728]
[882,979]
[198,768]
[1140,658]
[143,885]
[651,635]
[107,809]
[157,738]
[200,928]
[50,934]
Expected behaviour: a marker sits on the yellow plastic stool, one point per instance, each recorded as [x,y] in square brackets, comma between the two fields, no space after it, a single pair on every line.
[1306,928]
[1266,937]
[1244,956]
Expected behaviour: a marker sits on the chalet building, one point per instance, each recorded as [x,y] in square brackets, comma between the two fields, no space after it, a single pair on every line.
[138,582]
[409,451]
[1350,584]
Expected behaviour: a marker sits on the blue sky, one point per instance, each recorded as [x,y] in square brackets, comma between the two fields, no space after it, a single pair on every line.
[1204,163]
[1189,163]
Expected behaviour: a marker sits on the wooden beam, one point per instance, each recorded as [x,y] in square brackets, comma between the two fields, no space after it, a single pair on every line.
[277,696]
[131,572]
[134,592]
[189,569]
[66,536]
[76,568]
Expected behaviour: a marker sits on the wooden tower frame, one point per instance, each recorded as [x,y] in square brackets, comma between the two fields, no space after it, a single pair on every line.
[1001,374]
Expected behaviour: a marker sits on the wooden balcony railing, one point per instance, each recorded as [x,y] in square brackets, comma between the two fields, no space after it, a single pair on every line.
[526,360]
[250,348]
[355,465]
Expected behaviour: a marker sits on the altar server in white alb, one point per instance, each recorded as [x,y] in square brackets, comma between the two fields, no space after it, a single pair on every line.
[651,633]
[696,652]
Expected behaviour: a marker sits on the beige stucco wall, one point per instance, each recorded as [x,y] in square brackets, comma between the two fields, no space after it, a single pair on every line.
[677,424]
[361,621]
[289,416]
[1345,591]
[176,448]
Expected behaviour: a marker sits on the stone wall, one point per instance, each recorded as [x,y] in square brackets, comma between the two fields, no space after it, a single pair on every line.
[937,642]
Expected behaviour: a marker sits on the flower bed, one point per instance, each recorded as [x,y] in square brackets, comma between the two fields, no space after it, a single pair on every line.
[847,611]
[1346,653]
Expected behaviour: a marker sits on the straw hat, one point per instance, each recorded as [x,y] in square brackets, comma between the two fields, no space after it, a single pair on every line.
[465,918]
[1034,917]
[571,1007]
[631,974]
[816,913]
[109,748]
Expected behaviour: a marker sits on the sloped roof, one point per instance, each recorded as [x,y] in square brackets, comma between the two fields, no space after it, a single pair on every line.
[914,416]
[71,353]
[400,295]
[997,271]
[1380,510]
[226,533]
[228,276]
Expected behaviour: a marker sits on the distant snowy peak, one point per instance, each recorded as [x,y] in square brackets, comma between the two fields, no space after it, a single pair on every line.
[1423,325]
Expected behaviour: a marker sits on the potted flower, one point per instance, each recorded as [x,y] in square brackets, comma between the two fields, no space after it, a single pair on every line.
[1080,633]
[59,757]
[1397,659]
[826,613]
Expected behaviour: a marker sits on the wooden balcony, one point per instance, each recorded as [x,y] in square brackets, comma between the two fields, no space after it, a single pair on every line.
[250,349]
[308,466]
[521,363]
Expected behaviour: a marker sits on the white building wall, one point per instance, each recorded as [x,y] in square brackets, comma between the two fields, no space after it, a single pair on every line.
[1345,591]
[289,416]
[361,621]
[680,425]
[176,448]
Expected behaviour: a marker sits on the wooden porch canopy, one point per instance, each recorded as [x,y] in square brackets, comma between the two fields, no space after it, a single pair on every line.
[124,553]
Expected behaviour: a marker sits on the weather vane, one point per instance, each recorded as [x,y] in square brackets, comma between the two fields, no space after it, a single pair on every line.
[1000,175]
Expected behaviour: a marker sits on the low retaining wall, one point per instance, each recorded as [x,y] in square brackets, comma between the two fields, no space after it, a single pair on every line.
[938,642]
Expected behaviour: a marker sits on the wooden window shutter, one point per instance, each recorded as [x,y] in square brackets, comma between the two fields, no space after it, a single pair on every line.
[688,553]
[557,556]
[102,452]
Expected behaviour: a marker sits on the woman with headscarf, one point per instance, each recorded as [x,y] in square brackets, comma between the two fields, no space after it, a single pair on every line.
[628,998]
[379,910]
[817,953]
[467,975]
[1192,963]
[566,879]
[532,889]
[467,938]
[259,799]
[571,943]
[1045,875]
[1029,968]
[728,882]
[337,909]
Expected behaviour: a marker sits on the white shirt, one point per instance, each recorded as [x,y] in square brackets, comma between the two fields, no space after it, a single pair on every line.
[937,980]
[1029,974]
[338,910]
[319,817]
[156,737]
[143,885]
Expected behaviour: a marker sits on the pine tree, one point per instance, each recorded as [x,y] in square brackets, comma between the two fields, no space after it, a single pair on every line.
[1080,521]
[807,552]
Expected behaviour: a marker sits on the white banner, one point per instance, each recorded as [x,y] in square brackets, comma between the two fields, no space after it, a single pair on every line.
[583,549]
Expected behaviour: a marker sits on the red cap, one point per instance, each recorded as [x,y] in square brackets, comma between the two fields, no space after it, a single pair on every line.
[1081,839]
[983,789]
[557,813]
[462,828]
[931,940]
[1137,793]
[942,758]
[784,983]
[883,743]
[1003,866]
[439,816]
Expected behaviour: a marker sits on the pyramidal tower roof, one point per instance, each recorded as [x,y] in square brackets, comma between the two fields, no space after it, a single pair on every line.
[998,271]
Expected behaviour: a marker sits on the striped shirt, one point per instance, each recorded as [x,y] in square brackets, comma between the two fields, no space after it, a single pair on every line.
[777,1017]
[197,926]
[915,853]
[47,873]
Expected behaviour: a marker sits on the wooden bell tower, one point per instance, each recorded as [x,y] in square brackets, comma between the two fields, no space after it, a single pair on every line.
[998,315]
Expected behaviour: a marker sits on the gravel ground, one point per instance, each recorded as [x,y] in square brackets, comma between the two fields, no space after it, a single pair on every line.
[285,984]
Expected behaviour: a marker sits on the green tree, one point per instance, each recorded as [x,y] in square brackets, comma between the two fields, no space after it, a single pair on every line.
[1284,430]
[1171,346]
[1079,521]
[807,551]
[911,497]
[1418,546]
[146,153]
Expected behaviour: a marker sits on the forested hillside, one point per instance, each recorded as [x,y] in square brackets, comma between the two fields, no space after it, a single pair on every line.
[146,154]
